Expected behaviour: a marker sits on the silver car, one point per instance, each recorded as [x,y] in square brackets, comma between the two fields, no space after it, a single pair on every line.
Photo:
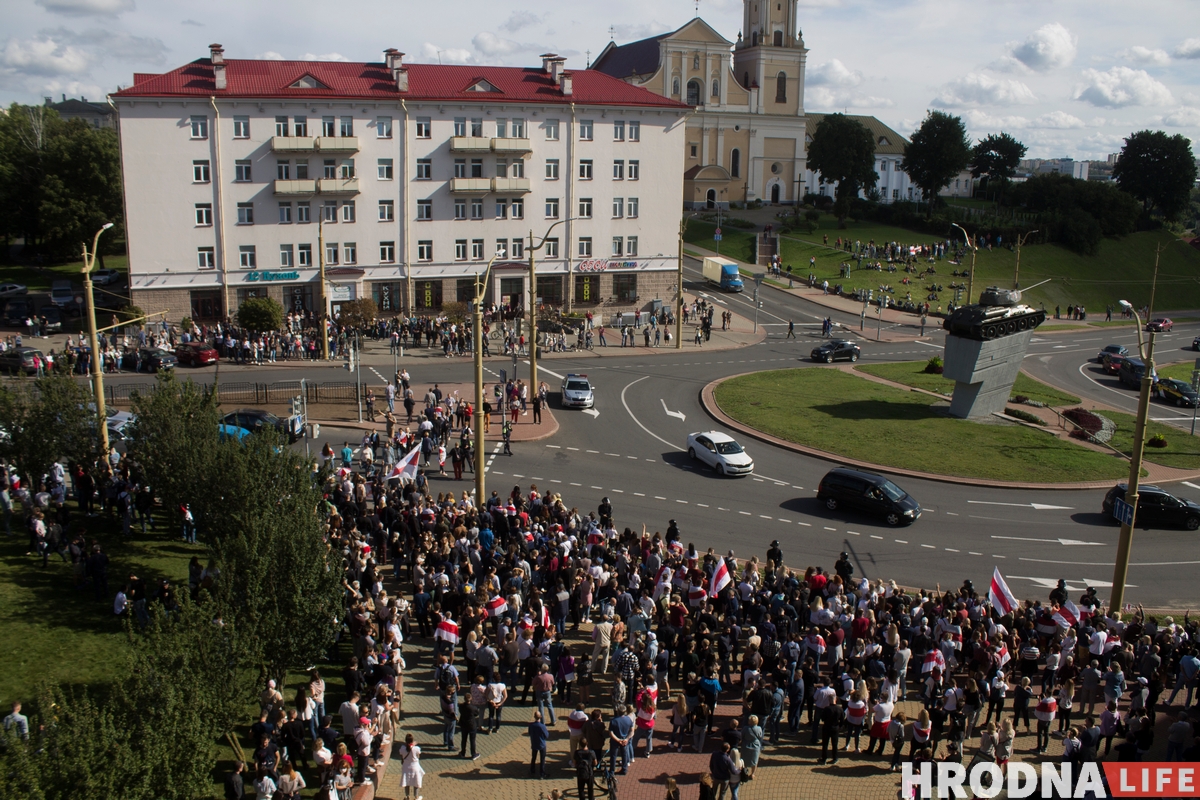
[577,391]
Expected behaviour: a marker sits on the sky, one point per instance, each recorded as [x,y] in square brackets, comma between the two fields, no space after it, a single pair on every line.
[1066,77]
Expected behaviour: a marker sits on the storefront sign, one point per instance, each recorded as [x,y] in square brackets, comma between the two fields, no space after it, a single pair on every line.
[602,265]
[266,275]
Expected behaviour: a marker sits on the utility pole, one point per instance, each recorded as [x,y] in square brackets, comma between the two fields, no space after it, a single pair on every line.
[1153,283]
[679,296]
[974,252]
[477,334]
[1017,275]
[533,369]
[89,261]
[324,312]
[358,374]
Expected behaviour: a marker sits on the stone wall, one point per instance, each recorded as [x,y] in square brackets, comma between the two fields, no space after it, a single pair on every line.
[983,372]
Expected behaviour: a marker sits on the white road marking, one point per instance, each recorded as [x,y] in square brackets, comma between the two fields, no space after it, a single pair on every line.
[677,414]
[598,487]
[702,505]
[1067,542]
[636,420]
[591,412]
[746,513]
[1034,506]
[873,536]
[929,547]
[805,524]
[640,494]
[952,550]
[576,449]
[781,519]
[554,446]
[901,541]
[829,528]
[547,371]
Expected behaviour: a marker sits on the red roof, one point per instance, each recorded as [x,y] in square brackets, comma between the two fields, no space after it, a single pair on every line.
[429,82]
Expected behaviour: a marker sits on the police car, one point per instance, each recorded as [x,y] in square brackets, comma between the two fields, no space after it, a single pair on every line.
[577,391]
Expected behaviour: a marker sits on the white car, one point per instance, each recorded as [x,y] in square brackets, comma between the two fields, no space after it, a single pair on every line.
[12,289]
[577,391]
[104,277]
[721,452]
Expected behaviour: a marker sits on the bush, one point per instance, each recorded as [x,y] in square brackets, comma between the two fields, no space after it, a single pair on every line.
[1157,440]
[185,324]
[130,313]
[934,366]
[1081,232]
[1025,416]
[735,222]
[1088,422]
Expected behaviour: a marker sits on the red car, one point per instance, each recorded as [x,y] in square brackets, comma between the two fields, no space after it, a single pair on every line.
[1112,363]
[196,354]
[1161,324]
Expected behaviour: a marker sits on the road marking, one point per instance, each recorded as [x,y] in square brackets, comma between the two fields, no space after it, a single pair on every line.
[597,452]
[1034,506]
[702,505]
[929,547]
[640,494]
[873,536]
[764,516]
[952,550]
[677,414]
[619,491]
[1189,483]
[834,529]
[633,457]
[681,501]
[552,480]
[656,497]
[721,509]
[996,556]
[598,487]
[651,460]
[576,449]
[591,412]
[902,541]
[547,371]
[576,484]
[614,455]
[554,446]
[1067,542]
[973,553]
[746,513]
[636,420]
[951,513]
[805,524]
[927,344]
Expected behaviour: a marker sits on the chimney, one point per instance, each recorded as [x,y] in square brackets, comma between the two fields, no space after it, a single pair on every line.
[401,76]
[49,100]
[64,98]
[219,75]
[556,68]
[217,56]
[389,57]
[547,58]
[566,84]
[216,53]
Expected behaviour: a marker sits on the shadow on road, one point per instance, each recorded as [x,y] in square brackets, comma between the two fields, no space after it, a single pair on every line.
[1096,519]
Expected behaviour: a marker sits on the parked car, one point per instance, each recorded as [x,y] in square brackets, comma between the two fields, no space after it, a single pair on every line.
[105,277]
[868,493]
[19,359]
[1112,350]
[836,350]
[1180,393]
[231,432]
[196,354]
[12,289]
[1162,324]
[62,293]
[721,452]
[1131,373]
[149,359]
[255,420]
[16,311]
[1156,508]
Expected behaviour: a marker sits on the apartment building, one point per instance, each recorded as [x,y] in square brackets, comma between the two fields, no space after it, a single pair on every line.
[243,177]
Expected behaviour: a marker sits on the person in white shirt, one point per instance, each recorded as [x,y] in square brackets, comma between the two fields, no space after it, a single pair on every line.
[823,698]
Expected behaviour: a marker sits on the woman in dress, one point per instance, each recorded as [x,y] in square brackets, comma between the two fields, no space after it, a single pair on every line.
[752,740]
[412,772]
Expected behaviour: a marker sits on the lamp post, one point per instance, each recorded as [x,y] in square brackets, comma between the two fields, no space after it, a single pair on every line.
[89,261]
[974,252]
[321,318]
[477,334]
[679,278]
[1125,542]
[533,374]
[1017,274]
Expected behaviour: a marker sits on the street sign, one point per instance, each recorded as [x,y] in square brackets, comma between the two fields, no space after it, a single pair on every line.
[716,237]
[1122,511]
[717,232]
[503,375]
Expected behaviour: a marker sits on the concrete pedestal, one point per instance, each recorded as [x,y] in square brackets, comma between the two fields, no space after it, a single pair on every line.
[983,372]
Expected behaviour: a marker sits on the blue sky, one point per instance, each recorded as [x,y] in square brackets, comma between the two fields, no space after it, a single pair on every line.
[1067,77]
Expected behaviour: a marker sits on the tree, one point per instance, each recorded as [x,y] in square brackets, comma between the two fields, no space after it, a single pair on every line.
[843,150]
[996,158]
[51,419]
[1159,170]
[938,150]
[260,314]
[358,314]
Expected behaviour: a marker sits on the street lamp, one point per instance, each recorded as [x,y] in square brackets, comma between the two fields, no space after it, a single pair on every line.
[321,318]
[477,333]
[974,252]
[533,374]
[89,261]
[679,297]
[1017,274]
[1125,542]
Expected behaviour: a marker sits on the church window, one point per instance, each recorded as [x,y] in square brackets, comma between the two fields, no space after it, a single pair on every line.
[693,93]
[735,163]
[716,88]
[779,38]
[781,88]
[675,86]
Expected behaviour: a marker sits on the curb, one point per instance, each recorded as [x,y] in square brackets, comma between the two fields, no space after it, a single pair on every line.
[371,426]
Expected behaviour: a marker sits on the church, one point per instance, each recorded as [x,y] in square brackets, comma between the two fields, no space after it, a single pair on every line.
[746,139]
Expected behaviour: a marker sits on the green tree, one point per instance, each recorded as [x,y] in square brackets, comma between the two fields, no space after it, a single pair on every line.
[52,418]
[1159,170]
[843,150]
[995,159]
[358,314]
[937,151]
[260,314]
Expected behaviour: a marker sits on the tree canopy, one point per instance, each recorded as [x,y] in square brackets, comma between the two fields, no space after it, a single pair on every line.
[358,314]
[843,150]
[996,157]
[936,152]
[1159,170]
[260,314]
[47,419]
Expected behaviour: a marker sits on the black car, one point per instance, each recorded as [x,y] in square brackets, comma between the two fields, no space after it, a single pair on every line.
[16,311]
[149,359]
[868,493]
[19,359]
[837,350]
[1156,508]
[255,420]
[1131,372]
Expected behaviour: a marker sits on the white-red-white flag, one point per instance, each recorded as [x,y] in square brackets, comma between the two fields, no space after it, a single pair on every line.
[447,630]
[1003,655]
[406,468]
[1002,598]
[496,606]
[545,623]
[933,660]
[816,643]
[1067,614]
[720,579]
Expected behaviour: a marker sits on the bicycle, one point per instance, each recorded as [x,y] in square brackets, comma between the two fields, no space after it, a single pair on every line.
[605,780]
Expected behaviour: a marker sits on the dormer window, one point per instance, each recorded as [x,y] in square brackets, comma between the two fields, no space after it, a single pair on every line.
[883,142]
[483,85]
[308,82]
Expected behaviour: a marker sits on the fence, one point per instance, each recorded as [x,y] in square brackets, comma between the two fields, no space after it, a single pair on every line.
[245,393]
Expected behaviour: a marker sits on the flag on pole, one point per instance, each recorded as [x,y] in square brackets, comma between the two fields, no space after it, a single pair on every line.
[933,660]
[1000,595]
[406,468]
[1067,614]
[496,606]
[447,630]
[720,579]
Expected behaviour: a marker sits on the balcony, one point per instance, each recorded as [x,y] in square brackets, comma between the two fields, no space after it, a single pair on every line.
[472,185]
[292,144]
[337,185]
[337,144]
[295,187]
[511,146]
[510,185]
[470,144]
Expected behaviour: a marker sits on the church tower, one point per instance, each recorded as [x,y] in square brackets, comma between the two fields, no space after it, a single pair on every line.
[770,55]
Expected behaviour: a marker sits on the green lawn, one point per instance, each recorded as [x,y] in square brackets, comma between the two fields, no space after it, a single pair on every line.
[1181,371]
[844,414]
[38,279]
[1182,450]
[912,373]
[735,243]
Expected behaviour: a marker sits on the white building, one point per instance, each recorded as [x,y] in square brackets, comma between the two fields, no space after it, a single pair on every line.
[240,175]
[893,183]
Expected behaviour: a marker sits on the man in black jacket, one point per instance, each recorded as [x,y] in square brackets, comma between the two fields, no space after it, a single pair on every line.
[234,787]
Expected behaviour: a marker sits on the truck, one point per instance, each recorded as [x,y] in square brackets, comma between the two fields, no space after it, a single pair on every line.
[723,273]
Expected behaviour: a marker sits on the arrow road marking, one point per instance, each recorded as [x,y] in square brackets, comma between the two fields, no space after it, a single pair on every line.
[1035,506]
[1067,542]
[591,412]
[1188,483]
[670,413]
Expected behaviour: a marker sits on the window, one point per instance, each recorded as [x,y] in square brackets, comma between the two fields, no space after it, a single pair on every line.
[517,250]
[477,208]
[329,168]
[477,126]
[206,258]
[631,207]
[693,93]
[585,247]
[735,163]
[552,248]
[518,168]
[460,208]
[301,126]
[477,249]
[460,168]
[302,170]
[460,249]
[585,207]
[619,170]
[585,169]
[200,128]
[587,288]
[200,173]
[693,151]
[303,212]
[631,247]
[348,169]
[384,169]
[204,214]
[424,128]
[331,252]
[501,167]
[518,129]
[460,126]
[619,131]
[551,169]
[518,208]
[476,167]
[425,250]
[305,256]
[241,171]
[281,126]
[716,88]
[329,211]
[895,194]
[501,128]
[551,208]
[635,131]
[502,247]
[585,130]
[328,126]
[883,166]
[247,256]
[383,128]
[781,88]
[425,209]
[551,128]
[387,210]
[283,170]
[618,207]
[618,247]
[241,127]
[635,170]
[501,208]
[625,288]
[350,253]
[348,211]
[387,252]
[347,127]
[285,255]
[778,38]
[285,213]
[245,213]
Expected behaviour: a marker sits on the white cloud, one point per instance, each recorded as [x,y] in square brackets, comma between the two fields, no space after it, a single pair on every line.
[981,119]
[821,97]
[1122,86]
[975,89]
[1185,117]
[1049,47]
[518,20]
[323,57]
[45,56]
[270,55]
[455,55]
[83,8]
[1189,48]
[834,73]
[492,45]
[103,44]
[1060,120]
[1145,55]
